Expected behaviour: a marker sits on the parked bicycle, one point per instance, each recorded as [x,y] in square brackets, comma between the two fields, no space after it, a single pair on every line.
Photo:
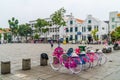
[61,59]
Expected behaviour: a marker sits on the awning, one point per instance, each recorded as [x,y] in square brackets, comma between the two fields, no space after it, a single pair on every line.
[79,33]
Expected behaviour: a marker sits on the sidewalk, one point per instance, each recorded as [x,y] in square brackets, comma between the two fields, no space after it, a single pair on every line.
[15,53]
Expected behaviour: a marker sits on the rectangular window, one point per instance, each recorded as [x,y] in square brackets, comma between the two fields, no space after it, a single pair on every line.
[84,29]
[97,28]
[76,37]
[94,27]
[113,19]
[53,29]
[71,29]
[89,21]
[83,37]
[103,28]
[71,22]
[113,26]
[58,29]
[67,30]
[32,25]
[97,36]
[71,37]
[89,28]
[76,29]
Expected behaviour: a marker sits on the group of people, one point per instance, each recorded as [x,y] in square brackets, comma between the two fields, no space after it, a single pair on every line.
[52,42]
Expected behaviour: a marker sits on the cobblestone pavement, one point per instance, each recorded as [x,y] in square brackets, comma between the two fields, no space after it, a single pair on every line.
[16,52]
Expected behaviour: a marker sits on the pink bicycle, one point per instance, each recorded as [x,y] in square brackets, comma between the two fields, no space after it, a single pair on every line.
[61,59]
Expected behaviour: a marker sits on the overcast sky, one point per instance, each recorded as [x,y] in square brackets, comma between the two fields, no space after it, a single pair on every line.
[27,10]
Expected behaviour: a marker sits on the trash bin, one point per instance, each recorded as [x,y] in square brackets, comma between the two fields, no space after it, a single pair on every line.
[26,64]
[82,48]
[44,59]
[5,67]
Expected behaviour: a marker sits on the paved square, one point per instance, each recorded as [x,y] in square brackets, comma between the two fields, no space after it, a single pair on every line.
[16,52]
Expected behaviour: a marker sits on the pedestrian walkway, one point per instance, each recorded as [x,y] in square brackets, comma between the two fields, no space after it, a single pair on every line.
[16,52]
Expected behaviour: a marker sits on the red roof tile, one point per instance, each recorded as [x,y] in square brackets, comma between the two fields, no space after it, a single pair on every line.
[79,20]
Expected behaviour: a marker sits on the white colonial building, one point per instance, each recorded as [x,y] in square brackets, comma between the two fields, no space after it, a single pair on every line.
[92,23]
[114,20]
[75,29]
[68,32]
[72,28]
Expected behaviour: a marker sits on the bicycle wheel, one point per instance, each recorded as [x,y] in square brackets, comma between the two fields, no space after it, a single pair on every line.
[55,63]
[95,61]
[86,66]
[75,65]
[76,69]
[102,59]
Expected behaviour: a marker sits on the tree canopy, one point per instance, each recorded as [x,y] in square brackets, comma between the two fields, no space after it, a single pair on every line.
[93,32]
[115,35]
[13,24]
[57,17]
[24,30]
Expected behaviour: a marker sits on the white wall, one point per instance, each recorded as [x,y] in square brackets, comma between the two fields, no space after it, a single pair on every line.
[95,22]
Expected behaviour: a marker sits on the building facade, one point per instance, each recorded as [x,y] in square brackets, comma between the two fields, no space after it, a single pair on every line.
[91,23]
[68,32]
[114,20]
[75,29]
[72,28]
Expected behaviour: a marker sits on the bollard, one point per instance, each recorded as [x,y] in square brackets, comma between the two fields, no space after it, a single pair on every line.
[44,59]
[5,67]
[26,64]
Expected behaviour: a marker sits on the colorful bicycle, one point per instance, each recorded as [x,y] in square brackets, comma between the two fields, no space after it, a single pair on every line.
[61,59]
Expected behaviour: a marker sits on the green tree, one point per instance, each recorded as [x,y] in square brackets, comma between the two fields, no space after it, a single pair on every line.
[25,31]
[57,18]
[0,28]
[13,24]
[115,35]
[5,36]
[9,37]
[40,24]
[93,32]
[36,36]
[0,36]
[44,30]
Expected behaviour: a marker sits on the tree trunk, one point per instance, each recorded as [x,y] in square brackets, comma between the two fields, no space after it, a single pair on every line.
[26,38]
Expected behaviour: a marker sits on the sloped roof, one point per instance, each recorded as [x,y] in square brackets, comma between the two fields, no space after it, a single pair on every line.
[118,15]
[79,20]
[5,30]
[1,31]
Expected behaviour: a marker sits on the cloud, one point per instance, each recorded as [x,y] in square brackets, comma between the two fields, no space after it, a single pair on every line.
[27,10]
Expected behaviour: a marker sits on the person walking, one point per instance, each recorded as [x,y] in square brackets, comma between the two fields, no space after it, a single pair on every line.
[51,42]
